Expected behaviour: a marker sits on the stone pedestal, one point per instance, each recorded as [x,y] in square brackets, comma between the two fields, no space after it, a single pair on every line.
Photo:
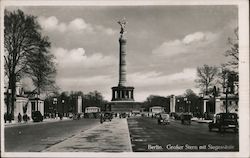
[123,106]
[122,93]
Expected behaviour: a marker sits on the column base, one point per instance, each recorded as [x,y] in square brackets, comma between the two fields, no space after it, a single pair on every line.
[122,93]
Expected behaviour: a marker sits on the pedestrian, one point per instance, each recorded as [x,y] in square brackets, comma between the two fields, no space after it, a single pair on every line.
[61,116]
[5,117]
[101,118]
[19,117]
[25,117]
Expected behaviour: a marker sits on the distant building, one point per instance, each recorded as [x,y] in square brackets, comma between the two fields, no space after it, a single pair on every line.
[156,109]
[92,109]
[232,102]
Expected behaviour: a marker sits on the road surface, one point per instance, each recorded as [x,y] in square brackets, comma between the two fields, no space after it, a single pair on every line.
[39,136]
[147,135]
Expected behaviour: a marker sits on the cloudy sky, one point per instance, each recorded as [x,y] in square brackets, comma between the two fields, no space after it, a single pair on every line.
[165,45]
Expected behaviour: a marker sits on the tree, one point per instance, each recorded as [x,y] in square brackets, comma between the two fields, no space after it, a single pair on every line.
[233,51]
[227,80]
[206,78]
[94,99]
[22,39]
[193,100]
[155,100]
[41,69]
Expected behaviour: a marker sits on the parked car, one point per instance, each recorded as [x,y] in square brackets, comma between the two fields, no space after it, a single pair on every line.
[186,118]
[37,116]
[164,119]
[224,121]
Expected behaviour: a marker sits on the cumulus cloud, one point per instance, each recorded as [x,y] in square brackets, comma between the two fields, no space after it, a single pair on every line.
[51,23]
[191,43]
[77,58]
[87,84]
[154,78]
[85,81]
[77,25]
[158,83]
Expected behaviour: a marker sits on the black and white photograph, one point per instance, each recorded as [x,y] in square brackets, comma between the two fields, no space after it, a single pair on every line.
[125,78]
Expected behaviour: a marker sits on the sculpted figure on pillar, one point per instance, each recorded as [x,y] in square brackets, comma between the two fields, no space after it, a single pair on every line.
[122,23]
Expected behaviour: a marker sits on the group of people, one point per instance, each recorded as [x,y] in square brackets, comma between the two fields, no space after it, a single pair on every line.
[20,118]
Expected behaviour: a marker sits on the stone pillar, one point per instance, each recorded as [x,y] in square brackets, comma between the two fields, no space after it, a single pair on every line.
[205,100]
[79,104]
[172,103]
[116,94]
[120,96]
[204,105]
[113,94]
[122,65]
[217,105]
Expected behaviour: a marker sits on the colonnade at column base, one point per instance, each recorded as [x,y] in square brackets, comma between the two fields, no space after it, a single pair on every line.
[121,93]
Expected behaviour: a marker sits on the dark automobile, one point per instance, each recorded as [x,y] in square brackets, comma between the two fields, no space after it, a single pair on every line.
[177,116]
[106,116]
[173,115]
[164,119]
[157,115]
[186,118]
[223,121]
[37,116]
[123,115]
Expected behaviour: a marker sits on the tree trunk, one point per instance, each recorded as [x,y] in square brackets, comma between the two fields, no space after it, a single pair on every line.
[12,85]
[8,101]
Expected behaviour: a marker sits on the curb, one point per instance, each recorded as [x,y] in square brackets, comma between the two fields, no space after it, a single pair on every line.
[130,144]
[31,123]
[206,121]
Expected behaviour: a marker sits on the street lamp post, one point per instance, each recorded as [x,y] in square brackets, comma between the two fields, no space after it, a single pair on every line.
[178,101]
[37,102]
[185,101]
[188,102]
[55,103]
[63,107]
[226,91]
[226,99]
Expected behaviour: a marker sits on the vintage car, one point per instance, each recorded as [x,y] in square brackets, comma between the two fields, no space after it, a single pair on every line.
[106,116]
[164,119]
[37,116]
[223,121]
[186,118]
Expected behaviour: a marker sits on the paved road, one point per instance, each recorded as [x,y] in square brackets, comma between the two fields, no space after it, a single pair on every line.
[37,137]
[110,136]
[147,135]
